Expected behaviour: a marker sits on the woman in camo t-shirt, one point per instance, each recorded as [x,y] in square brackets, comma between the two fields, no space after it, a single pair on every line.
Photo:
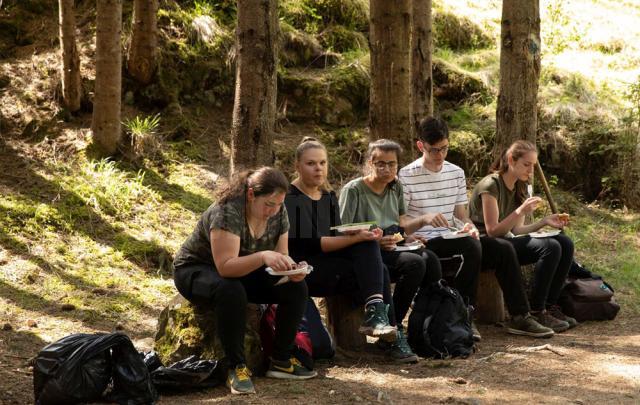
[222,264]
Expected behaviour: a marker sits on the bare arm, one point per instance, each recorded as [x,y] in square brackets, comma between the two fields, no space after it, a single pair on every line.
[225,248]
[333,243]
[514,222]
[411,224]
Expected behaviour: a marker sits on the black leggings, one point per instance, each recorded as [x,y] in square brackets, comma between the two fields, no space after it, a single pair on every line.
[202,285]
[500,255]
[355,270]
[410,271]
[552,257]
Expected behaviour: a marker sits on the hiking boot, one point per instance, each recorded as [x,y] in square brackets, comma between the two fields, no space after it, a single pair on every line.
[376,322]
[528,326]
[239,380]
[544,318]
[557,313]
[399,351]
[290,369]
[475,332]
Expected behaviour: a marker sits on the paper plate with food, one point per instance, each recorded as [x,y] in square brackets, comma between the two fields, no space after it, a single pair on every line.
[415,245]
[356,226]
[546,234]
[455,235]
[300,269]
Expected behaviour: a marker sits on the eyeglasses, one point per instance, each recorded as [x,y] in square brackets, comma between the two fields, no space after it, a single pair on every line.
[435,151]
[381,165]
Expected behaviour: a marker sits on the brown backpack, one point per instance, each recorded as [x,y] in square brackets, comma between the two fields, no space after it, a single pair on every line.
[588,299]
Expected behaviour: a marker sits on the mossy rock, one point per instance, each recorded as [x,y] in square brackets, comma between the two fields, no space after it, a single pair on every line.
[458,33]
[338,96]
[341,39]
[185,330]
[304,50]
[454,84]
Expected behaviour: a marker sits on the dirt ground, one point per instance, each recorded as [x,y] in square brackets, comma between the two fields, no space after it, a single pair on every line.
[596,363]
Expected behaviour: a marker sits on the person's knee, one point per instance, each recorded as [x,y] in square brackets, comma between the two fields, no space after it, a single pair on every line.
[566,244]
[231,292]
[473,249]
[293,292]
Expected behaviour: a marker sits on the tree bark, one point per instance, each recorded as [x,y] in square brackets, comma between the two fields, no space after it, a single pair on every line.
[71,90]
[254,109]
[141,61]
[390,100]
[421,70]
[105,124]
[516,115]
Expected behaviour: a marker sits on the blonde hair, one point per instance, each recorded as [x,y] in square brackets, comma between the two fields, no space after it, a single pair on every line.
[309,142]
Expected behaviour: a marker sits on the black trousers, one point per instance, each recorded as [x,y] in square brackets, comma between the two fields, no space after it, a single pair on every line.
[552,257]
[202,285]
[356,270]
[410,271]
[500,255]
[466,279]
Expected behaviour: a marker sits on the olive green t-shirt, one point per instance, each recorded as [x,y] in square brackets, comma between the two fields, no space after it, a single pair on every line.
[492,184]
[231,218]
[358,203]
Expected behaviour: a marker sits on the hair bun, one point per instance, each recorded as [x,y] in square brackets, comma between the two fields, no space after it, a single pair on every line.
[308,139]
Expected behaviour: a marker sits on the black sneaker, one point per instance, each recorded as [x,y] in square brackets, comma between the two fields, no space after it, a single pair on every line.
[399,351]
[528,326]
[557,313]
[376,322]
[545,318]
[239,380]
[290,370]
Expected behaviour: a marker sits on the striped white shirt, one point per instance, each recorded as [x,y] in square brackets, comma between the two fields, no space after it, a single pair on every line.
[427,192]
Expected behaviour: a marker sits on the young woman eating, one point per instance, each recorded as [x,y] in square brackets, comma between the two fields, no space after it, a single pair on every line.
[222,264]
[499,204]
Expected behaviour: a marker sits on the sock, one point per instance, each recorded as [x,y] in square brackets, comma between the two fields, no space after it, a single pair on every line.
[373,299]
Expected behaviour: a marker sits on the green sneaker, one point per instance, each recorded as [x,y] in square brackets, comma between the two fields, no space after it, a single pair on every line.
[239,380]
[557,313]
[289,369]
[376,322]
[528,326]
[399,351]
[545,318]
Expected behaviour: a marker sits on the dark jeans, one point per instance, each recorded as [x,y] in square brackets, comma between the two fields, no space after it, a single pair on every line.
[410,271]
[466,279]
[552,258]
[500,255]
[356,270]
[203,286]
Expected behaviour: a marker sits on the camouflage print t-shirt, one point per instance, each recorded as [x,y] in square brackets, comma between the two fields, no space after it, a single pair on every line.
[231,218]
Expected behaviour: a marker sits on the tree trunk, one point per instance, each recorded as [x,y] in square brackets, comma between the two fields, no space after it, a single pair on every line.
[390,100]
[141,61]
[516,115]
[106,106]
[254,109]
[71,90]
[421,75]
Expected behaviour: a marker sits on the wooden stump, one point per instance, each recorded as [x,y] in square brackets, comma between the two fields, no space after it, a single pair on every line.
[489,300]
[343,321]
[185,330]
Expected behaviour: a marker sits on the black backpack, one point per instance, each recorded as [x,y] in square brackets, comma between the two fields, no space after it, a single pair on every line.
[439,324]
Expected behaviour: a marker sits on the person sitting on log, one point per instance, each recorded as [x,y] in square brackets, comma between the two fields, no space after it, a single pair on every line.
[379,197]
[435,192]
[499,204]
[347,263]
[222,264]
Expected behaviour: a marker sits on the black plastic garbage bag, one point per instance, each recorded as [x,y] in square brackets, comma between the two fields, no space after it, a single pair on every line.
[80,368]
[190,373]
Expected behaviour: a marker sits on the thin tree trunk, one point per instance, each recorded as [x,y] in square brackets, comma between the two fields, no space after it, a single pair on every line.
[141,61]
[390,100]
[421,74]
[106,107]
[517,112]
[71,90]
[254,109]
